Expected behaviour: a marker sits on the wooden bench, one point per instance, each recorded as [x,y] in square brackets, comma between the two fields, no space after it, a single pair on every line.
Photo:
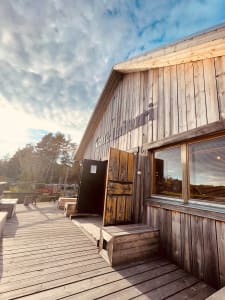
[63,200]
[126,243]
[8,205]
[70,208]
[3,217]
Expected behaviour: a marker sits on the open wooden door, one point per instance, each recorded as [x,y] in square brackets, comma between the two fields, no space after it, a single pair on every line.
[118,204]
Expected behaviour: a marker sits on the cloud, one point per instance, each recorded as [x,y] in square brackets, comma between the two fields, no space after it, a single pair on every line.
[55,55]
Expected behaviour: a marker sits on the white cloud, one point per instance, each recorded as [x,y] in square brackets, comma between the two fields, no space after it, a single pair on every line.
[16,127]
[55,55]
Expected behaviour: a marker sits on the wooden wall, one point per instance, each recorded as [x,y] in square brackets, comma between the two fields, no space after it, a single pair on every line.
[183,97]
[175,99]
[194,242]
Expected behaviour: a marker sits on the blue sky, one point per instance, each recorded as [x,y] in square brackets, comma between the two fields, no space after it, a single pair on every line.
[55,56]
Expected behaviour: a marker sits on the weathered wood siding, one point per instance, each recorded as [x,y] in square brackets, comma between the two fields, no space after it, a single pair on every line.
[154,105]
[150,106]
[180,98]
[194,242]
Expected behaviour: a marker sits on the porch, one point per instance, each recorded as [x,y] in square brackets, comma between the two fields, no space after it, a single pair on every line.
[45,256]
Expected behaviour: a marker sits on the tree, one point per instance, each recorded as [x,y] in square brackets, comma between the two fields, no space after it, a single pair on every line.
[49,161]
[67,159]
[54,152]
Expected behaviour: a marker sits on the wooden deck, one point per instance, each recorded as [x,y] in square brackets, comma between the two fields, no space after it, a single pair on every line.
[45,256]
[90,225]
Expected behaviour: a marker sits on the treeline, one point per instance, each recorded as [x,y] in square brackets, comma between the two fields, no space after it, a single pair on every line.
[49,161]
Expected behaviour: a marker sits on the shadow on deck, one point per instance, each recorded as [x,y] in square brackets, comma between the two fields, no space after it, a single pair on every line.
[45,256]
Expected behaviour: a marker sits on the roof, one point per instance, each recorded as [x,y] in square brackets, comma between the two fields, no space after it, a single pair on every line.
[207,44]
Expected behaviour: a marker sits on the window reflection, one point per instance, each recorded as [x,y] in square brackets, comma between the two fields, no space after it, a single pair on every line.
[168,173]
[207,170]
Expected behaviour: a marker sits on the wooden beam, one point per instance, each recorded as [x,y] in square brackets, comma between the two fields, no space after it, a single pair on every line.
[208,129]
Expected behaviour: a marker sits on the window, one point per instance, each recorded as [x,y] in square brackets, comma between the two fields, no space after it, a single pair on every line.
[207,170]
[168,172]
[201,173]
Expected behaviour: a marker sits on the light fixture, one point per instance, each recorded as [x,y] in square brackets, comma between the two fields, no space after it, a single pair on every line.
[218,157]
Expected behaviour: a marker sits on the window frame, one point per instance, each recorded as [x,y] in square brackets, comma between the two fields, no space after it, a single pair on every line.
[184,146]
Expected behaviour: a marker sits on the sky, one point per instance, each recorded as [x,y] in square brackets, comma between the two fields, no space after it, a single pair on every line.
[56,55]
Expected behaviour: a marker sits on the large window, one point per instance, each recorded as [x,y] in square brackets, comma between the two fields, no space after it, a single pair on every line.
[201,172]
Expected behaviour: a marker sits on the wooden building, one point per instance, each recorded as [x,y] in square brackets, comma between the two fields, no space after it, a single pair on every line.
[159,125]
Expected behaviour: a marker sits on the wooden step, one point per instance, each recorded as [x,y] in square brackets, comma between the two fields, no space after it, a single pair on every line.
[125,243]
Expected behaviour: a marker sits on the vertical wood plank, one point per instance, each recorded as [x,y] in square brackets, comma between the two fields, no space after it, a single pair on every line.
[210,90]
[119,114]
[161,106]
[190,96]
[130,167]
[136,111]
[135,209]
[156,219]
[145,107]
[163,232]
[126,113]
[147,174]
[141,197]
[169,234]
[186,251]
[176,237]
[220,79]
[123,104]
[120,209]
[123,162]
[166,233]
[182,107]
[211,261]
[220,229]
[197,246]
[117,117]
[113,164]
[150,104]
[148,215]
[132,89]
[200,97]
[128,209]
[110,213]
[113,120]
[141,106]
[155,103]
[167,101]
[131,107]
[174,101]
[137,187]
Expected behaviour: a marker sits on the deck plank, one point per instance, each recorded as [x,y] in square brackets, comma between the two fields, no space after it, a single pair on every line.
[44,255]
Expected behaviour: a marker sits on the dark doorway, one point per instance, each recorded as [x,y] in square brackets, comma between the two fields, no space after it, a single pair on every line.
[92,187]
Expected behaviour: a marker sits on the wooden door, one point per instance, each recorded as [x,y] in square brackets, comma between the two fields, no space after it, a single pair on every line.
[91,190]
[118,204]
